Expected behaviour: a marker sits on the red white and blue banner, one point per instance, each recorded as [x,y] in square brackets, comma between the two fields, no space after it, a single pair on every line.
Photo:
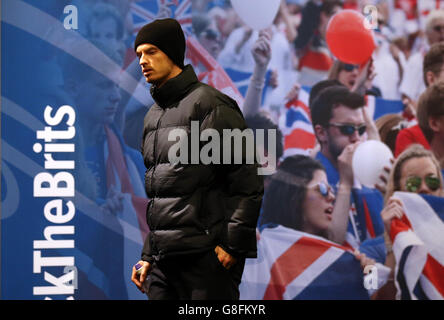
[418,247]
[296,126]
[293,265]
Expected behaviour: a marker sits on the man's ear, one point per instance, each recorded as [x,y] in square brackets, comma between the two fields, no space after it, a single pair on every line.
[321,134]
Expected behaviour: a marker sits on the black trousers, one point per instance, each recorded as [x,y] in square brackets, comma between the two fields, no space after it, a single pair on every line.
[194,277]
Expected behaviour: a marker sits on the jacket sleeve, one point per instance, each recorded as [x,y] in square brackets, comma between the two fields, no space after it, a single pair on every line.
[146,251]
[242,185]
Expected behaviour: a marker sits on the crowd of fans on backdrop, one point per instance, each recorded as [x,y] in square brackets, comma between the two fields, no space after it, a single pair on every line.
[407,65]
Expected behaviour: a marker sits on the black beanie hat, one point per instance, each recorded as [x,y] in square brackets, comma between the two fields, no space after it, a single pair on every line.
[167,35]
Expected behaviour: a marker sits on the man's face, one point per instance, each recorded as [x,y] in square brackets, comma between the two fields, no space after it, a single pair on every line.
[435,33]
[157,67]
[98,97]
[335,139]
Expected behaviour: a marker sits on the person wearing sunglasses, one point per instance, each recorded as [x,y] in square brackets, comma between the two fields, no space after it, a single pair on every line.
[415,170]
[299,197]
[339,125]
[344,73]
[359,80]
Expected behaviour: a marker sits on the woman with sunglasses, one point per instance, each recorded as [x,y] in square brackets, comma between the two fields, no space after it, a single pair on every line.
[345,73]
[356,79]
[415,170]
[300,198]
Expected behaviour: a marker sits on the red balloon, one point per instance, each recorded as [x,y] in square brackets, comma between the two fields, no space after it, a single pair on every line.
[348,38]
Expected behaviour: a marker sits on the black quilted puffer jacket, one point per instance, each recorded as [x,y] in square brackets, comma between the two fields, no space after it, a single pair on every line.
[195,207]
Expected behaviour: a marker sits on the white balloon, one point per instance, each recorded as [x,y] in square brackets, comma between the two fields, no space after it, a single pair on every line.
[369,160]
[257,14]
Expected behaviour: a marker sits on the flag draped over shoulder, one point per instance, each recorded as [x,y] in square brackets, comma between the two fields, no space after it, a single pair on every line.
[418,240]
[297,265]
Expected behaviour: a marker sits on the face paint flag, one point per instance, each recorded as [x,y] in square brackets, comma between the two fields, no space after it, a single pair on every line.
[418,247]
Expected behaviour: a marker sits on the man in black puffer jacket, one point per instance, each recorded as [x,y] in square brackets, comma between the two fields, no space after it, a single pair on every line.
[202,217]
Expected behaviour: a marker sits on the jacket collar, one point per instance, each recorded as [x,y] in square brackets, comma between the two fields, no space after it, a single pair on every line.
[175,89]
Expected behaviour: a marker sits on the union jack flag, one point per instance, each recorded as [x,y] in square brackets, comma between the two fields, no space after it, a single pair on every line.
[293,265]
[418,240]
[145,11]
[299,137]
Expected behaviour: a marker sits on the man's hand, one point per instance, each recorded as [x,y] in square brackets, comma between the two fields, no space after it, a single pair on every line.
[226,259]
[138,278]
[345,164]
